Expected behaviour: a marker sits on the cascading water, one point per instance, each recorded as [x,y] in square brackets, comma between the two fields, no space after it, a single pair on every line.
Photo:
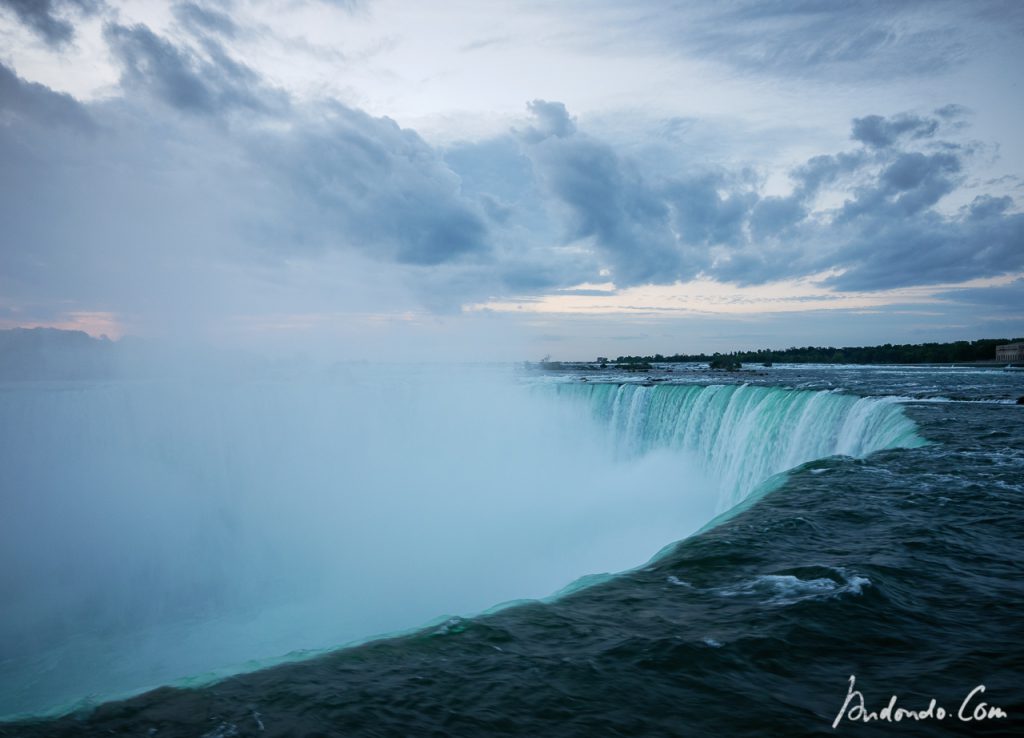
[155,531]
[742,435]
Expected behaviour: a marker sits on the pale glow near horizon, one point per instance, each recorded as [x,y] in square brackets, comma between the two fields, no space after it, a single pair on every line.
[710,296]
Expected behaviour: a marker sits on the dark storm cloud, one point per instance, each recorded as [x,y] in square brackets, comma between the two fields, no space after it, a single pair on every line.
[38,103]
[380,187]
[608,199]
[910,183]
[551,119]
[928,248]
[889,234]
[349,179]
[204,20]
[880,133]
[156,207]
[772,216]
[528,228]
[662,226]
[207,83]
[502,177]
[987,206]
[911,171]
[41,16]
[823,171]
[703,217]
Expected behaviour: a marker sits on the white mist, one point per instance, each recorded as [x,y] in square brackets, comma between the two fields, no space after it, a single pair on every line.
[157,530]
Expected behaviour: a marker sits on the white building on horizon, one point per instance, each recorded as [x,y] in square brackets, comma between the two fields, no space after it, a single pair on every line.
[1010,352]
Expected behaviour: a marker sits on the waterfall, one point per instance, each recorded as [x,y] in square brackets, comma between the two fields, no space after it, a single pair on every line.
[740,434]
[157,531]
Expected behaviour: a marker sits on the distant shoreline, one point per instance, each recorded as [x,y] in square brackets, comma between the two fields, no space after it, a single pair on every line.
[624,365]
[981,352]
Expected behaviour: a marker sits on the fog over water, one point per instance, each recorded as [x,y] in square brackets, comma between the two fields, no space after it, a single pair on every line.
[190,523]
[160,529]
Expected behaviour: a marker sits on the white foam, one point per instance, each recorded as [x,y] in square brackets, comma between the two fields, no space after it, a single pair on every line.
[786,589]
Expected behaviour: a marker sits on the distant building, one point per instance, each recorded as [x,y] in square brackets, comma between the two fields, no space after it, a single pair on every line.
[1010,352]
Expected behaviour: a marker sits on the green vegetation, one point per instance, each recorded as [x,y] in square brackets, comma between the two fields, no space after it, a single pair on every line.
[727,363]
[921,353]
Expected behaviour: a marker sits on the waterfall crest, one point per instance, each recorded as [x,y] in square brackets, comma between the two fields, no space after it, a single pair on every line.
[740,434]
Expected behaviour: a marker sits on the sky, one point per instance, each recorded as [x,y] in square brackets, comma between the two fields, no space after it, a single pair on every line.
[508,180]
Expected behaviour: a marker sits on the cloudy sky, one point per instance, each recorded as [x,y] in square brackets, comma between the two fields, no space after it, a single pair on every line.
[505,180]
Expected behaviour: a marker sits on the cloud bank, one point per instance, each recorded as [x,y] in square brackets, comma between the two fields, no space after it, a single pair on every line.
[200,180]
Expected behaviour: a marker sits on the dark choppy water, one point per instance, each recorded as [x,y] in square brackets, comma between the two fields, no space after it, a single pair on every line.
[903,568]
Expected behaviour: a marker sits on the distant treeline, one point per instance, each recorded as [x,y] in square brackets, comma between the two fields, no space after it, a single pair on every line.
[906,353]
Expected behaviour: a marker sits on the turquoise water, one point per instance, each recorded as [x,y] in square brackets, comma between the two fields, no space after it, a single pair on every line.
[742,435]
[886,545]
